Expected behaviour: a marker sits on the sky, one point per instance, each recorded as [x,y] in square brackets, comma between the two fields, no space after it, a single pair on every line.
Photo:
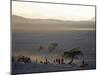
[52,11]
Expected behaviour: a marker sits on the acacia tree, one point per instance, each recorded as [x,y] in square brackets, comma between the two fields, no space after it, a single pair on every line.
[52,46]
[72,53]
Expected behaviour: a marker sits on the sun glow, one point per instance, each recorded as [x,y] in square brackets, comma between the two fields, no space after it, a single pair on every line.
[53,11]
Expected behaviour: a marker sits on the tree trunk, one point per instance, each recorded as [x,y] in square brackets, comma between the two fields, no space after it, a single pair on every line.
[71,60]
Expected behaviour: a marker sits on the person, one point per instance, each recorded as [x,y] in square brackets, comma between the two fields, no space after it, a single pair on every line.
[56,61]
[46,61]
[62,61]
[59,61]
[13,59]
[83,64]
[41,61]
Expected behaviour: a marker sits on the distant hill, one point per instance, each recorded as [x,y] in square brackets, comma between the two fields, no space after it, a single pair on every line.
[92,19]
[26,24]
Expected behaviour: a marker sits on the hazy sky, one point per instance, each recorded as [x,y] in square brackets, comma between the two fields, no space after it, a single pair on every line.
[53,11]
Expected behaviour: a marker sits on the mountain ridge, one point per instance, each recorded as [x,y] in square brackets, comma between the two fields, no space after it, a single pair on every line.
[27,24]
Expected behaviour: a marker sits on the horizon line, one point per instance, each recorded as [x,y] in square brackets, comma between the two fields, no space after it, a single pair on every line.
[51,18]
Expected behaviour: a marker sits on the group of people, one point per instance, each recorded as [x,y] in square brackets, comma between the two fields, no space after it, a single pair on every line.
[55,61]
[59,61]
[21,59]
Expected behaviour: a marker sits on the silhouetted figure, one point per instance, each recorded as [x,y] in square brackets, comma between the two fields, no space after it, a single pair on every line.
[28,60]
[62,61]
[13,59]
[41,62]
[46,61]
[58,61]
[21,59]
[83,64]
